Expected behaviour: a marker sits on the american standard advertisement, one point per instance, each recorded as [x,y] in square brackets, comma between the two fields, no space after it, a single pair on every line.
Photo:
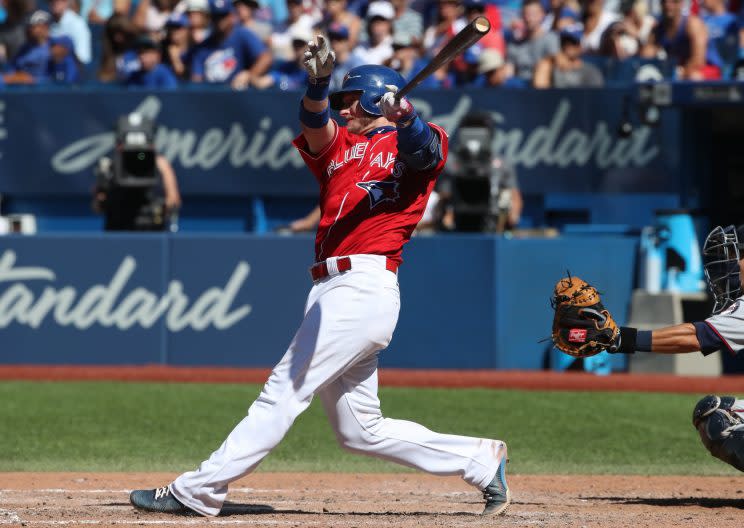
[34,295]
[222,143]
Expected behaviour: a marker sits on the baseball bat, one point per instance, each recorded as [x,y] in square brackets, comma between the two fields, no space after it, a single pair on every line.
[468,36]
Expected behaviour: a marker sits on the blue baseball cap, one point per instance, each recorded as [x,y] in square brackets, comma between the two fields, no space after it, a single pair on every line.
[177,20]
[220,8]
[572,33]
[475,4]
[338,31]
[62,40]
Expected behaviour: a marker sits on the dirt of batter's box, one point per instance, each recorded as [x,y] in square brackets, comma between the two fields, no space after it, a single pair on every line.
[383,500]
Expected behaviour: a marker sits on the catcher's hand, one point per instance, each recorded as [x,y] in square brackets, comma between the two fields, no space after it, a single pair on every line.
[582,326]
[319,58]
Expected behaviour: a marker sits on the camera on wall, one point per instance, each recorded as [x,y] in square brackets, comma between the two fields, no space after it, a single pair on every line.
[126,183]
[480,200]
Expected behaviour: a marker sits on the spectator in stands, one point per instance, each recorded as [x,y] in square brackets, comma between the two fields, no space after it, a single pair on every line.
[289,75]
[595,20]
[566,69]
[510,11]
[119,57]
[723,34]
[176,44]
[496,72]
[618,43]
[151,15]
[379,45]
[494,38]
[152,73]
[560,16]
[96,11]
[198,13]
[281,44]
[68,22]
[534,44]
[231,53]
[246,11]
[680,37]
[450,21]
[13,28]
[345,60]
[62,67]
[408,23]
[336,13]
[407,61]
[30,63]
[637,20]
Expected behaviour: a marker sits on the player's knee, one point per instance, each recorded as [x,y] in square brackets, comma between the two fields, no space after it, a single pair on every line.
[358,435]
[721,429]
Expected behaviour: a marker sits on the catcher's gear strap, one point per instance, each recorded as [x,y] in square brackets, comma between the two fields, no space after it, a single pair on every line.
[632,339]
[709,340]
[721,428]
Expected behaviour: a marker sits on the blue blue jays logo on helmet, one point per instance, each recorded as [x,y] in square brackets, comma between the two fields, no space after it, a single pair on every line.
[380,191]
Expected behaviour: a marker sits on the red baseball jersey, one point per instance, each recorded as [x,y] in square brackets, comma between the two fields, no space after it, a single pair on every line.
[370,201]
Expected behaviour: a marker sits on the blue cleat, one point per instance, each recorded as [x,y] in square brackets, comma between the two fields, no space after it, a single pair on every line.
[159,500]
[497,493]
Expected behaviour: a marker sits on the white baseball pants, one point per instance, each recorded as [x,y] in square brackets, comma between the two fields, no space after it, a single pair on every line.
[349,318]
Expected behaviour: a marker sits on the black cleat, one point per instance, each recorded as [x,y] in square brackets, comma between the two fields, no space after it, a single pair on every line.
[159,500]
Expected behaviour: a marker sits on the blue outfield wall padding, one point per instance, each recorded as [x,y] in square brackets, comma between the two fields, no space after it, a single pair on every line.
[468,301]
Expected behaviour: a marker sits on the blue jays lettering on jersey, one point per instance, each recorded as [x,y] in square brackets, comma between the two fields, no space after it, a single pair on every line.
[127,64]
[218,61]
[63,72]
[370,201]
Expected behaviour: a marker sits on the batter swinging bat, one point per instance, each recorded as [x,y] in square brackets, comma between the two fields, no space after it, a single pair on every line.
[469,35]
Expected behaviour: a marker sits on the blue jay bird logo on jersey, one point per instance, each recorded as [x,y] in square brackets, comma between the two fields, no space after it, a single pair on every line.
[380,191]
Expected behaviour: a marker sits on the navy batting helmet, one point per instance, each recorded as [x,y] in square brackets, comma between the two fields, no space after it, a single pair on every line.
[368,80]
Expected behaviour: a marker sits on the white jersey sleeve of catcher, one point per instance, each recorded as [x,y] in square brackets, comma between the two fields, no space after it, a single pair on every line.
[729,325]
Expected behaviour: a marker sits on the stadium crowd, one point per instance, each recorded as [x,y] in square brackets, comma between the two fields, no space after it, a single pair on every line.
[259,44]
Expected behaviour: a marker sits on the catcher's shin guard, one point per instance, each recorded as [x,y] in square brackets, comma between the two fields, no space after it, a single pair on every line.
[721,428]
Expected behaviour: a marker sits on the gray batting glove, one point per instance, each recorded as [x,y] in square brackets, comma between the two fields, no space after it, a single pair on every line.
[319,58]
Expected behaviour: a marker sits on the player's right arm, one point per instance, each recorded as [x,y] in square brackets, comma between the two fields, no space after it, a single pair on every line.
[317,126]
[718,332]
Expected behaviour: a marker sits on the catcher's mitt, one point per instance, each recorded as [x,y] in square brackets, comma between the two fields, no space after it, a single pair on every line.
[582,326]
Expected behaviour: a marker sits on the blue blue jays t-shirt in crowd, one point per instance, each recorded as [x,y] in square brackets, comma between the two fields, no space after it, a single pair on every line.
[289,76]
[32,59]
[127,64]
[219,62]
[723,39]
[64,72]
[159,77]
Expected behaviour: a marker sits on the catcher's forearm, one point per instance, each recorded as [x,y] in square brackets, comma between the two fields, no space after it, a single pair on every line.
[676,339]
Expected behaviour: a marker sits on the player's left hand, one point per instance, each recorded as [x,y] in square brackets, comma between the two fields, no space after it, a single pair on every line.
[319,58]
[397,111]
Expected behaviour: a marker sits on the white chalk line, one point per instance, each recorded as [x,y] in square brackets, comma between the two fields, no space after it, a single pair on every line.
[177,522]
[242,490]
[9,517]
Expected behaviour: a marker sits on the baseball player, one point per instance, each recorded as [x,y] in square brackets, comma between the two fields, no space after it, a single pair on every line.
[718,419]
[375,175]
